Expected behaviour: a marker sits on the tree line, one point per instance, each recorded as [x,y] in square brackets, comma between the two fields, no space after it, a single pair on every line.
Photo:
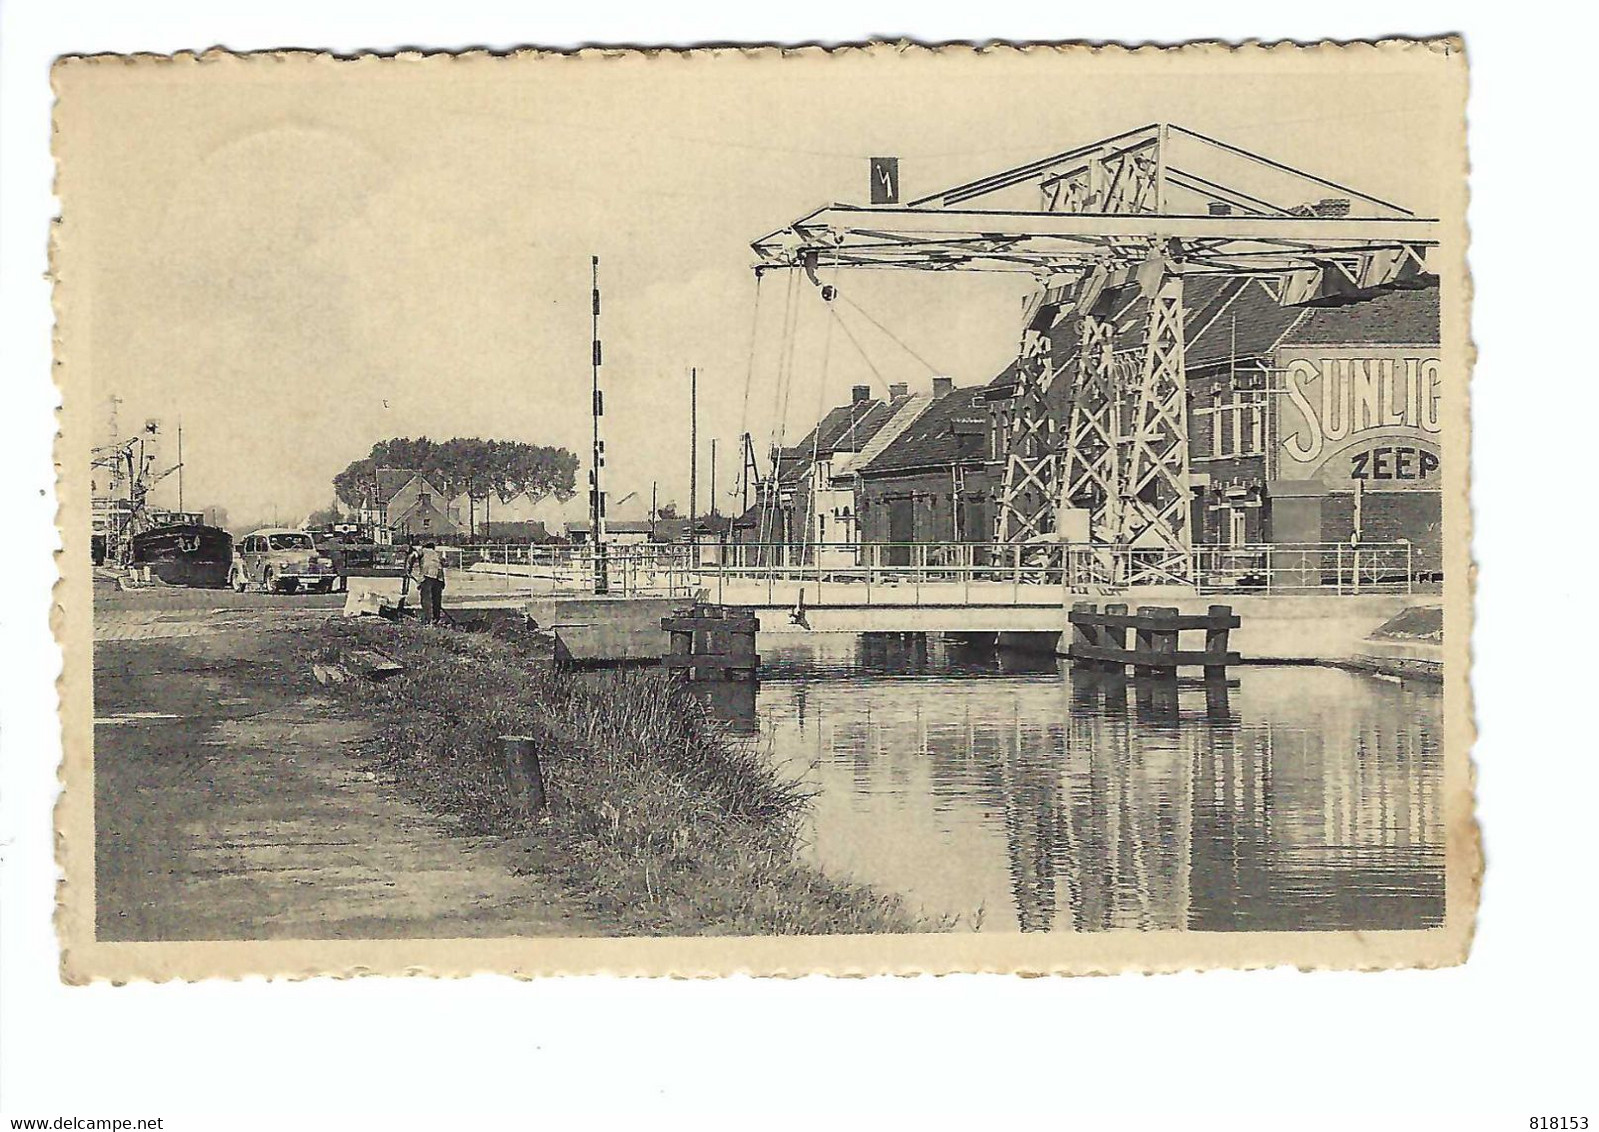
[504,469]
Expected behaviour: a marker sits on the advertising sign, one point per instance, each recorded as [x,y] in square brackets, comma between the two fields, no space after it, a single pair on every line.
[1359,414]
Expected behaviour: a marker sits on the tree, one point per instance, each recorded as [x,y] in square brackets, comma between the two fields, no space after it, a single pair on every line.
[326,517]
[478,468]
[666,511]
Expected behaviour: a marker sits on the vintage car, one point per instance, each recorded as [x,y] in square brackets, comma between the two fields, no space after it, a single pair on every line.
[281,560]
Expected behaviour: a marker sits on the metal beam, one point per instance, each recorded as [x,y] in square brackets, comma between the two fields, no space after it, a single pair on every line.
[827,229]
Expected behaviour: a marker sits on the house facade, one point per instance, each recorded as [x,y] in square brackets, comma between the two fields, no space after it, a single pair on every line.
[1306,424]
[809,503]
[404,507]
[932,481]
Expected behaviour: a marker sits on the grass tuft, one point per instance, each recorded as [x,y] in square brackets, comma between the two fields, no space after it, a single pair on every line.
[659,820]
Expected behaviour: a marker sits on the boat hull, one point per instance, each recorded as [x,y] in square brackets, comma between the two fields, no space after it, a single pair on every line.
[185,555]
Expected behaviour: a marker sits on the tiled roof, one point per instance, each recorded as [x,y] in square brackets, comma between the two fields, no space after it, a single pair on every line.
[906,412]
[1249,324]
[932,440]
[1391,318]
[793,465]
[1244,323]
[846,428]
[619,527]
[391,480]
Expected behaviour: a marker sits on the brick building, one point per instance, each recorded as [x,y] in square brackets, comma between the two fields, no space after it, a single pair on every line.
[932,480]
[1300,418]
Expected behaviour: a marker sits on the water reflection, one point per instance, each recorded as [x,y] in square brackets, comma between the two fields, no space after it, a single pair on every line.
[1294,799]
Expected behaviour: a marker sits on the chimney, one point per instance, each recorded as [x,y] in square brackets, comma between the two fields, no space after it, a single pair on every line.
[860,393]
[943,386]
[1220,208]
[898,390]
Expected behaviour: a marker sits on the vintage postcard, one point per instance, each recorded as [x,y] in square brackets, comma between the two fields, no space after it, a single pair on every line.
[877,510]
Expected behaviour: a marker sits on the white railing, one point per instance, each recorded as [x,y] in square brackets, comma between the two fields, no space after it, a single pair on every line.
[941,573]
[562,570]
[1339,568]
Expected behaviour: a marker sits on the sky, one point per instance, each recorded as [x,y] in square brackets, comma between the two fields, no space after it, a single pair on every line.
[299,258]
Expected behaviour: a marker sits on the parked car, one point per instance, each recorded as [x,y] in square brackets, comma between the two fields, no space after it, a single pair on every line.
[281,560]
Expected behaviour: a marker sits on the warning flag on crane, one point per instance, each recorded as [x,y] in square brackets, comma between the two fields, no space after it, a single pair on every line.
[885,180]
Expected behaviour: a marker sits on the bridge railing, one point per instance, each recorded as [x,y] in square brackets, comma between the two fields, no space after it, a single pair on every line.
[898,573]
[566,570]
[968,572]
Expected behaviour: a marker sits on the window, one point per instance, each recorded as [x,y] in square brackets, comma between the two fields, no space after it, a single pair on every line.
[423,499]
[1237,424]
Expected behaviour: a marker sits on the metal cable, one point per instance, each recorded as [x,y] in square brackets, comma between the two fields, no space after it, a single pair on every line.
[897,339]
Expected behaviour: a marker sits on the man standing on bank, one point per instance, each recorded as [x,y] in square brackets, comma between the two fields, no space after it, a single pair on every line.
[430,581]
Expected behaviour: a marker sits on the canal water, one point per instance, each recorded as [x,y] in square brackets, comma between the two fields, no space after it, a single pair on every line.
[1004,792]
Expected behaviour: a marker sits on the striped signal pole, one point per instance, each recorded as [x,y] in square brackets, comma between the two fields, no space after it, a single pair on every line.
[597,459]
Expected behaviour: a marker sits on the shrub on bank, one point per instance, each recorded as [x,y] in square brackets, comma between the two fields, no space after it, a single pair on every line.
[661,821]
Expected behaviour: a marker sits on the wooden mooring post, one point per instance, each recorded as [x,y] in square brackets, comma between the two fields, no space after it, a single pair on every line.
[712,642]
[523,774]
[1099,640]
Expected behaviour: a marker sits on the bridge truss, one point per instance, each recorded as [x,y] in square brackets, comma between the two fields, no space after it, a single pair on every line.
[1134,214]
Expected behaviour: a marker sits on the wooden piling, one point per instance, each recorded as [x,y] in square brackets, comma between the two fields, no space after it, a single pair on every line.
[1113,634]
[1085,633]
[1216,634]
[711,642]
[1099,640]
[523,774]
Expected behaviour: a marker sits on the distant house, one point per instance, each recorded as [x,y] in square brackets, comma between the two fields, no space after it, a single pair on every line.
[580,532]
[406,506]
[531,530]
[493,517]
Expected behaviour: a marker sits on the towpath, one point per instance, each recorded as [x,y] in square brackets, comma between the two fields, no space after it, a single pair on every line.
[232,802]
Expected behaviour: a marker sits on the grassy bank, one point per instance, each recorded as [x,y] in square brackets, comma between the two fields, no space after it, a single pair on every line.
[659,821]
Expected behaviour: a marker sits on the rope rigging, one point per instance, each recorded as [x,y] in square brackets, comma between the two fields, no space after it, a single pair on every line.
[749,382]
[773,525]
[780,397]
[816,433]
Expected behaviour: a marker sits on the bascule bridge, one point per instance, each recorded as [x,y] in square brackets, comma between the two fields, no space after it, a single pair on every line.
[1096,453]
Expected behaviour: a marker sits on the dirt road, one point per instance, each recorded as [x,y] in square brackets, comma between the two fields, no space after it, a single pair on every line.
[231,801]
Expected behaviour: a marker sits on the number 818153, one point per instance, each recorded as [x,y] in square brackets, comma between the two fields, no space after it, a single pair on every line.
[1557,1123]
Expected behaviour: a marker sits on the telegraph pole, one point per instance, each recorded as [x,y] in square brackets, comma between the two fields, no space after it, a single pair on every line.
[713,479]
[744,472]
[597,459]
[693,449]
